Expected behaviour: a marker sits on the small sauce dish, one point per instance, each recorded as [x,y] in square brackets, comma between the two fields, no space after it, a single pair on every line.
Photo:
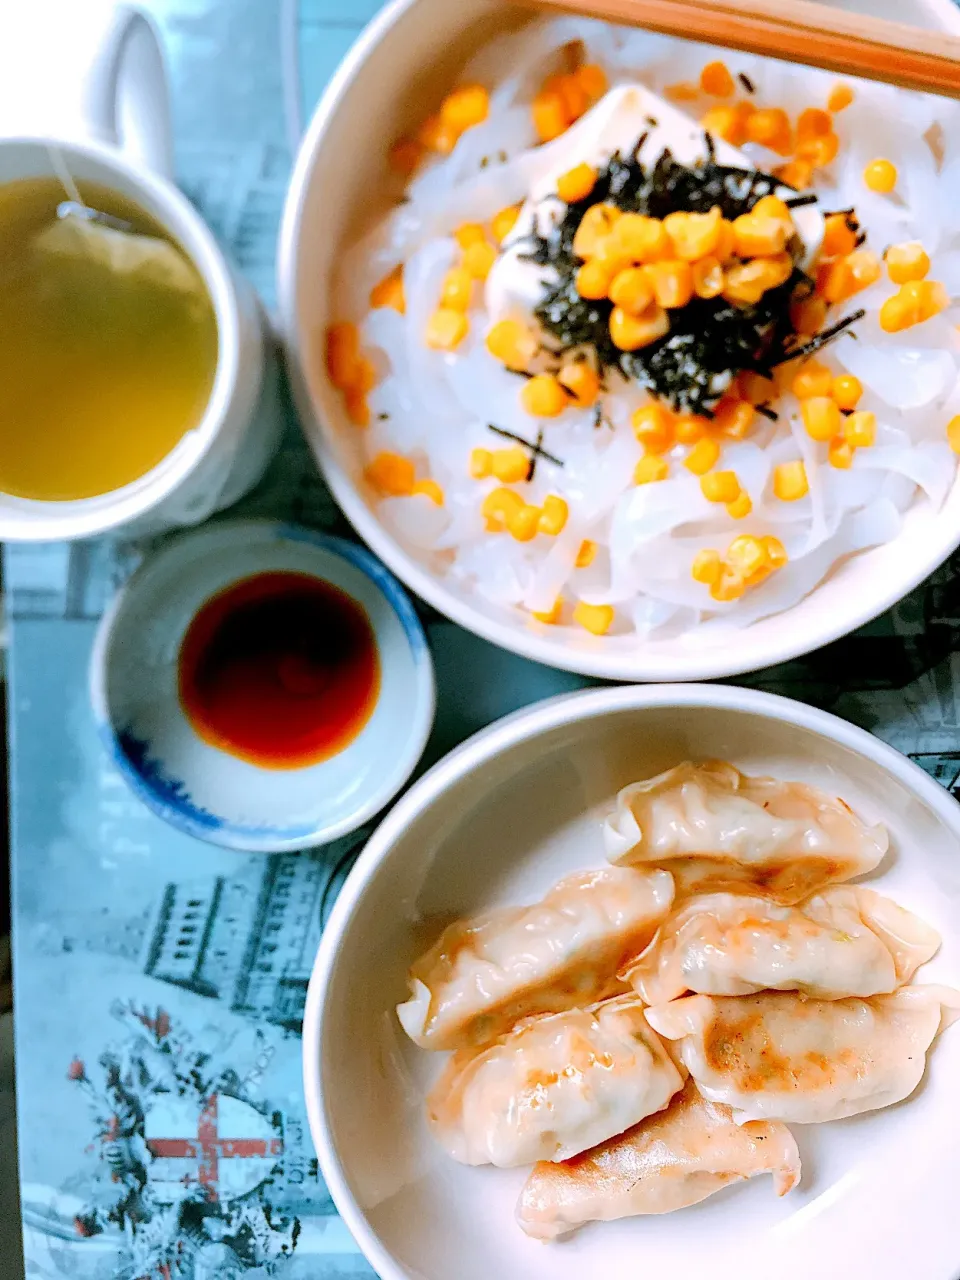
[262,686]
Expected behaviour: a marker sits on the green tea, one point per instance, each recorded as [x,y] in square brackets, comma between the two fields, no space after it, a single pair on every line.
[102,370]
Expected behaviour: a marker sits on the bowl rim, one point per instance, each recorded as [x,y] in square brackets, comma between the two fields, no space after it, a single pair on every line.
[501,736]
[591,660]
[233,836]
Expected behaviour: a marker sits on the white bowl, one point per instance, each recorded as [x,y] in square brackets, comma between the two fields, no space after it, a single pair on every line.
[498,822]
[403,60]
[205,791]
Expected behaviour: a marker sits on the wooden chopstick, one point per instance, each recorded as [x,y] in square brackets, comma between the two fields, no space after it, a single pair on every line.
[816,35]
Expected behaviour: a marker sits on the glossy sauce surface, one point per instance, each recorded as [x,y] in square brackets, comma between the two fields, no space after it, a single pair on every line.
[280,669]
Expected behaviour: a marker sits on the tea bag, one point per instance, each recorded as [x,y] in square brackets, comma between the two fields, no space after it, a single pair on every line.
[86,233]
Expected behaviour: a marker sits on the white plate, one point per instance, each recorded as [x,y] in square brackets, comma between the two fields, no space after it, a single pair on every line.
[206,791]
[498,822]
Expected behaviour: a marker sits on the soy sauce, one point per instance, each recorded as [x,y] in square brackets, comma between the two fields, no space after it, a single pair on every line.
[280,669]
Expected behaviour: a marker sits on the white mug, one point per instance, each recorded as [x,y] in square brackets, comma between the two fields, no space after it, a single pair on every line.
[93,84]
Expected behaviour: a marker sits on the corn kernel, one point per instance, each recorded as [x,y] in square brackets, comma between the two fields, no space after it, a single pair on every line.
[716,80]
[639,238]
[550,616]
[597,618]
[631,289]
[404,156]
[839,237]
[672,282]
[430,489]
[933,297]
[770,127]
[481,463]
[734,417]
[577,183]
[358,410]
[523,524]
[775,551]
[457,289]
[469,233]
[720,486]
[389,291]
[651,469]
[906,262]
[846,391]
[543,397]
[860,429]
[726,123]
[896,314]
[572,94]
[586,554]
[795,173]
[916,301]
[821,418]
[437,136]
[841,95]
[747,283]
[653,425]
[760,235]
[880,176]
[790,481]
[835,282]
[772,206]
[391,474]
[704,455]
[503,222]
[478,259]
[446,329]
[592,80]
[465,107]
[813,379]
[365,376]
[593,279]
[498,506]
[865,268]
[729,586]
[840,454]
[747,554]
[550,118]
[707,567]
[708,278]
[756,388]
[629,333]
[808,316]
[813,123]
[512,343]
[819,152]
[510,465]
[553,516]
[953,433]
[595,225]
[580,381]
[343,354]
[691,427]
[740,507]
[683,91]
[694,235]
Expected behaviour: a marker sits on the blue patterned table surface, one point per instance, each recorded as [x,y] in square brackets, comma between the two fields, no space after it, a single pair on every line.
[139,1048]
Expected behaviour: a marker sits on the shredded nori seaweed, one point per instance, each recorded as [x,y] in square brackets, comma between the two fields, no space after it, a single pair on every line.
[746,82]
[536,448]
[710,340]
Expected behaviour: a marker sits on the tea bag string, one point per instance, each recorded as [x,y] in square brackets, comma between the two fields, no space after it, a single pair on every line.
[76,206]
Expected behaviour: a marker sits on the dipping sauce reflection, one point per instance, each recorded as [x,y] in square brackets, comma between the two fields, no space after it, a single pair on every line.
[280,669]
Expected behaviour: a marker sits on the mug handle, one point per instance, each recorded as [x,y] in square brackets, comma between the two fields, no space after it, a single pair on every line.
[125,98]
